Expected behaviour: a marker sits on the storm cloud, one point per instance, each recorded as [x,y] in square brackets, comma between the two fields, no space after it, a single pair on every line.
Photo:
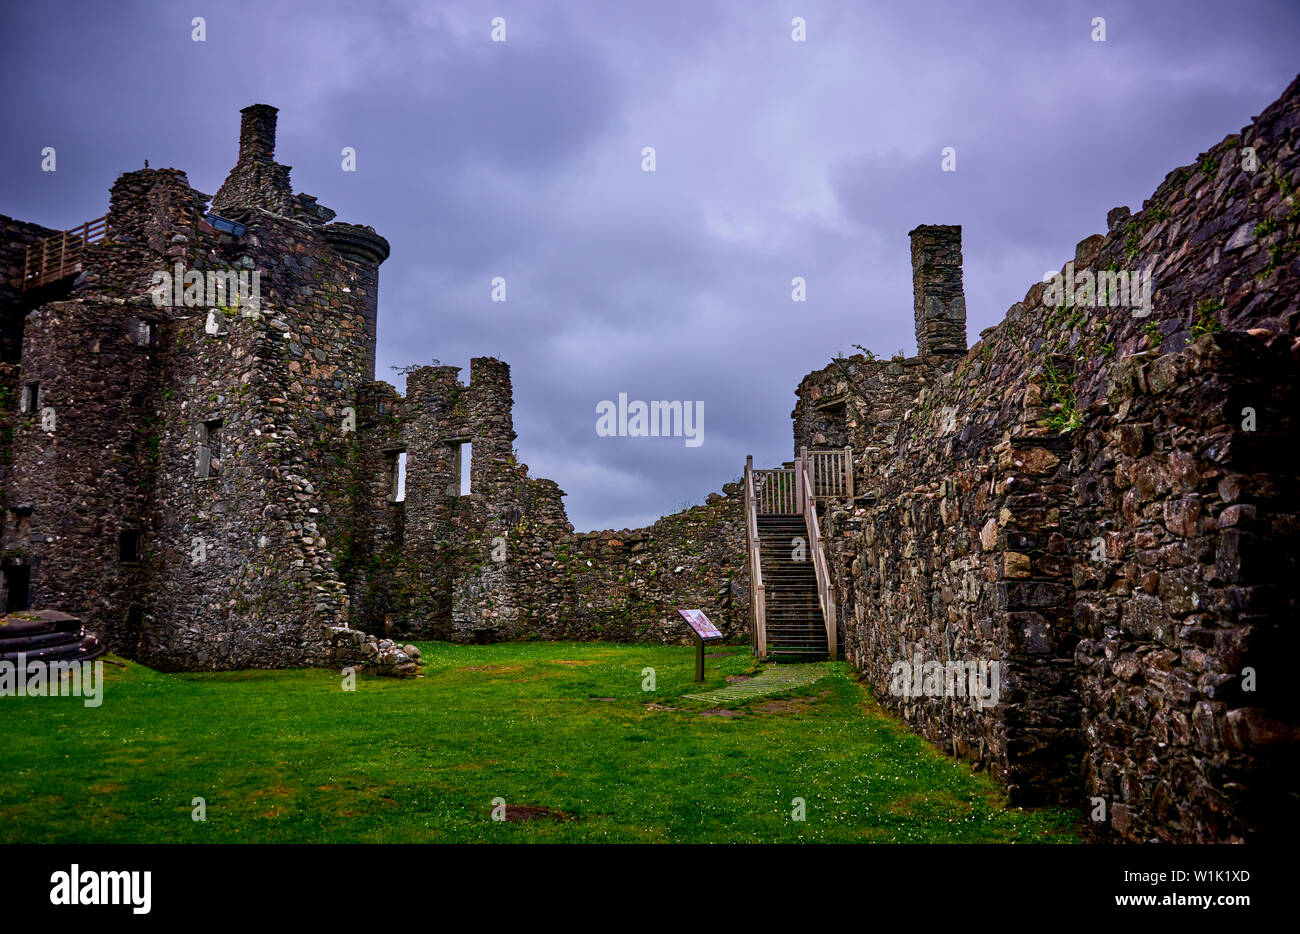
[774,159]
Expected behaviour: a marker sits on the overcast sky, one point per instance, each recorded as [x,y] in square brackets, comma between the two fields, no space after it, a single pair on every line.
[774,159]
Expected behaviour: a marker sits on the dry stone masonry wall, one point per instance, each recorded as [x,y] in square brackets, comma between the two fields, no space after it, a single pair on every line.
[502,561]
[1096,497]
[1100,498]
[209,477]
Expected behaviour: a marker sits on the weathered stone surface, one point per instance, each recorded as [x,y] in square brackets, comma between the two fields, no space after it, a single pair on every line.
[1111,520]
[295,545]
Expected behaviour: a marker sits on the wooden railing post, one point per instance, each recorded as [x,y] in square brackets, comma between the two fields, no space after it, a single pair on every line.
[800,461]
[61,253]
[825,588]
[848,471]
[757,592]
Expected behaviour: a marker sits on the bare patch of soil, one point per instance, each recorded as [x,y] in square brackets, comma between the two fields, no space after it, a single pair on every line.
[522,812]
[790,705]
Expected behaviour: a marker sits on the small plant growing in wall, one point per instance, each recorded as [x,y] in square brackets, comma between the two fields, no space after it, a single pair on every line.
[1061,395]
[1154,337]
[869,354]
[1265,227]
[1205,322]
[1133,241]
[409,368]
[1272,224]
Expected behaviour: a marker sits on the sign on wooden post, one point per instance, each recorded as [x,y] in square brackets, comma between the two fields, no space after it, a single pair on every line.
[704,631]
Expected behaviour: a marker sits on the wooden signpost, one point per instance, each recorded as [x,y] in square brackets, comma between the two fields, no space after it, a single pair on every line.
[704,631]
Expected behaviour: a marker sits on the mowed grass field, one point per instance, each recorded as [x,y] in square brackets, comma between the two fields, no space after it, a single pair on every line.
[288,756]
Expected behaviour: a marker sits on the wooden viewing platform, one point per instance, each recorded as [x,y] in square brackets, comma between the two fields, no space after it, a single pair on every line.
[56,257]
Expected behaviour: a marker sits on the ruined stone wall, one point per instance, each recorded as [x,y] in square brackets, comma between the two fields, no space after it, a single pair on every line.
[487,600]
[434,417]
[629,585]
[293,530]
[503,562]
[235,569]
[1186,474]
[79,475]
[369,548]
[15,237]
[1079,497]
[857,402]
[82,457]
[285,384]
[10,395]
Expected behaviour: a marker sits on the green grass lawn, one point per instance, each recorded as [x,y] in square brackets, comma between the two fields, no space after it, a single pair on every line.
[288,756]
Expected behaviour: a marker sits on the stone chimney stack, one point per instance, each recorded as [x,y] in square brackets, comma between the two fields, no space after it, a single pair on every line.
[257,180]
[257,133]
[939,301]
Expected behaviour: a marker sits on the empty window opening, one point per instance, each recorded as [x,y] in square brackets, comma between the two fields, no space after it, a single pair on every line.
[17,584]
[396,476]
[463,462]
[143,333]
[31,399]
[128,546]
[209,457]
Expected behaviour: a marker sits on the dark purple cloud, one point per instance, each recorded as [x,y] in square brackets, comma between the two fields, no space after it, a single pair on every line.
[775,159]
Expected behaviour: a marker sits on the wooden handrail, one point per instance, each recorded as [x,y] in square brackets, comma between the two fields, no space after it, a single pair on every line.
[757,592]
[831,471]
[779,491]
[825,591]
[60,255]
[775,492]
[794,491]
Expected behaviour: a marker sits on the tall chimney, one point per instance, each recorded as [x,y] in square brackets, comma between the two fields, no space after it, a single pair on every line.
[939,301]
[257,180]
[257,133]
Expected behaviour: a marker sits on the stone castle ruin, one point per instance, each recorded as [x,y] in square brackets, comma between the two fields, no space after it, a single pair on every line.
[1096,496]
[212,482]
[1103,498]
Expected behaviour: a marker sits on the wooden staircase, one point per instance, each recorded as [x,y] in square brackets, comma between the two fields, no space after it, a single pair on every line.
[792,598]
[795,625]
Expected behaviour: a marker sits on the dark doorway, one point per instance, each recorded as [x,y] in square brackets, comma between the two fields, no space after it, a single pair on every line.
[17,582]
[128,547]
